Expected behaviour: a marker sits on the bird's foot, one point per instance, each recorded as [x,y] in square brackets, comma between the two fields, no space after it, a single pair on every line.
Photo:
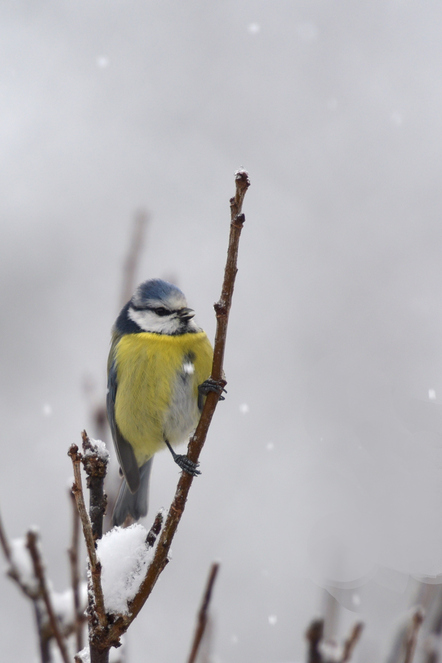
[217,386]
[186,464]
[183,461]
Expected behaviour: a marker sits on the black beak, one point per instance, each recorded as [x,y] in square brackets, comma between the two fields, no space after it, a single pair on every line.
[186,313]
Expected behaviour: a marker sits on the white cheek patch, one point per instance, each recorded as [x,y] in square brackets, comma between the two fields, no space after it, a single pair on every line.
[148,321]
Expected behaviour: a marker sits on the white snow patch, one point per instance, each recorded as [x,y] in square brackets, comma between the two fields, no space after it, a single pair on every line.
[124,557]
[331,651]
[98,448]
[22,562]
[63,603]
[84,655]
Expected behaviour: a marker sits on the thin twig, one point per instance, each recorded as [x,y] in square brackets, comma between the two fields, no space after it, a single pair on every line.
[314,636]
[197,440]
[222,307]
[13,571]
[73,553]
[431,654]
[5,543]
[33,593]
[351,641]
[95,565]
[203,613]
[411,634]
[32,544]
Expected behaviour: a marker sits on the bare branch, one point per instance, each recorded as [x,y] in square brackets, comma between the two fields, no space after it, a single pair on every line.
[222,307]
[28,589]
[95,566]
[411,635]
[32,544]
[314,636]
[5,543]
[351,641]
[73,553]
[33,593]
[203,613]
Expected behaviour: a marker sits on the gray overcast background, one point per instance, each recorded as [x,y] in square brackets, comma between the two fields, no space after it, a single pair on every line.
[332,474]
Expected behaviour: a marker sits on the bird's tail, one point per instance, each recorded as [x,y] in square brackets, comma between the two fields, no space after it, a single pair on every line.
[133,504]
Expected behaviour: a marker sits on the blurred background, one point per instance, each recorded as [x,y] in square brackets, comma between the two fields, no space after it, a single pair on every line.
[322,475]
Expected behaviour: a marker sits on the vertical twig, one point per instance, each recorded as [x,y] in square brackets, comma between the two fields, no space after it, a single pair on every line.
[44,635]
[95,466]
[73,553]
[33,593]
[351,641]
[222,307]
[32,544]
[314,635]
[95,566]
[5,543]
[203,613]
[411,634]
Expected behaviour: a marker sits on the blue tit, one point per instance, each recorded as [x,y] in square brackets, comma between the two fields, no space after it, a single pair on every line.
[158,373]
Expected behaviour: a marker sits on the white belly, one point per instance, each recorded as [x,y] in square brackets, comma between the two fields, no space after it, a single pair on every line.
[183,414]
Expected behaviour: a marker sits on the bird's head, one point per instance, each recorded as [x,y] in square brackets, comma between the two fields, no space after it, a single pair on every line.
[157,307]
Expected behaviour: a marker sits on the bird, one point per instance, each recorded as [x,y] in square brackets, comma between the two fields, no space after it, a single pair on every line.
[159,370]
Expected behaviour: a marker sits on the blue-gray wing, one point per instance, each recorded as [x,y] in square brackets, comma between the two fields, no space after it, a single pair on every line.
[125,453]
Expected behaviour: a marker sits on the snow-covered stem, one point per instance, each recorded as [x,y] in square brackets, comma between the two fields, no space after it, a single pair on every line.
[13,571]
[94,564]
[318,649]
[32,593]
[73,553]
[155,530]
[32,544]
[95,466]
[203,613]
[351,641]
[411,634]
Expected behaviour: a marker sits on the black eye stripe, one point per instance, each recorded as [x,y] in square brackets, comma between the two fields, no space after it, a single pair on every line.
[160,310]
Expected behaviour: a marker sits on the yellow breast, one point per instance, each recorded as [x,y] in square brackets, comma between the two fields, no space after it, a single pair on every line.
[157,388]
